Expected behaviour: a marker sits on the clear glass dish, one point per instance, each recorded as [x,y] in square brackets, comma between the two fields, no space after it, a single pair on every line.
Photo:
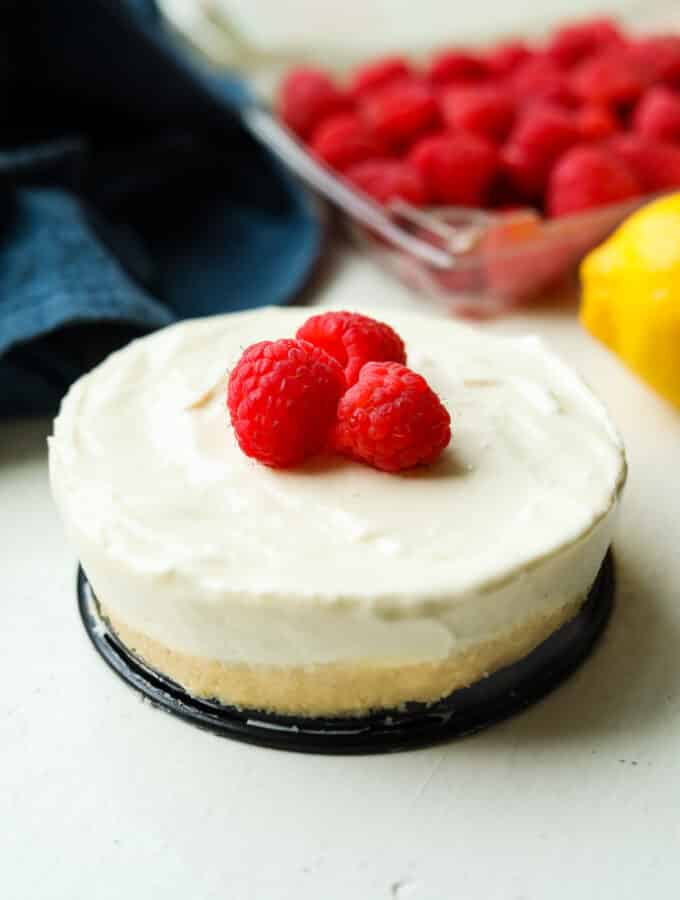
[500,261]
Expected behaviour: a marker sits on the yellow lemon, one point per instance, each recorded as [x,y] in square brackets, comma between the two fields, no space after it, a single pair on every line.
[631,294]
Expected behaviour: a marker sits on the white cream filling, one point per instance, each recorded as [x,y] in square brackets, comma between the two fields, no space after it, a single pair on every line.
[213,554]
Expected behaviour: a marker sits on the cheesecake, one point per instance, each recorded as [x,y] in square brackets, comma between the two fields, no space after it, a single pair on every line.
[333,588]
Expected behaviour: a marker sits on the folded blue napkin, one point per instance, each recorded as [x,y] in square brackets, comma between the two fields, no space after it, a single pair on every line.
[130,194]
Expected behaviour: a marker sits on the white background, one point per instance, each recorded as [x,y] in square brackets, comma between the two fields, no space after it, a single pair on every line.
[104,798]
[346,28]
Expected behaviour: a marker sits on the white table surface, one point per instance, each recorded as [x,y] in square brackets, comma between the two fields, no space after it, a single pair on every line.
[103,797]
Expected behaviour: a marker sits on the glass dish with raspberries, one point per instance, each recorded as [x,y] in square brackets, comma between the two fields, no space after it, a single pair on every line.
[516,159]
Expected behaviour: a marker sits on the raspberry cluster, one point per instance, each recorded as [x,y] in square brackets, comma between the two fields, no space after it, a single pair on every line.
[590,117]
[341,384]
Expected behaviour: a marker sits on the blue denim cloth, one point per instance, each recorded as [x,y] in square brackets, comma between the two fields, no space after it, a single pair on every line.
[130,194]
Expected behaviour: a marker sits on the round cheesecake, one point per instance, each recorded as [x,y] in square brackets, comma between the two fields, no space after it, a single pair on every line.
[334,589]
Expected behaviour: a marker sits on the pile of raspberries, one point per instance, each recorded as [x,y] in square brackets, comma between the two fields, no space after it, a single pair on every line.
[341,385]
[592,117]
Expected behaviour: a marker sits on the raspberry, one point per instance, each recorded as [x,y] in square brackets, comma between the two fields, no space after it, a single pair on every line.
[520,258]
[657,115]
[610,78]
[659,57]
[391,419]
[456,65]
[506,57]
[656,164]
[397,115]
[573,43]
[353,340]
[586,177]
[306,96]
[282,398]
[596,122]
[457,168]
[344,140]
[539,78]
[378,75]
[487,110]
[389,179]
[505,208]
[540,136]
